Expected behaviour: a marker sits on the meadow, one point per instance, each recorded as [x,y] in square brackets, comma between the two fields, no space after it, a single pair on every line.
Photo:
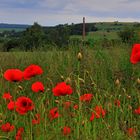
[106,73]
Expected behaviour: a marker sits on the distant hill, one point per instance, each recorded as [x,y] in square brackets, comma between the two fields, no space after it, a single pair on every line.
[5,25]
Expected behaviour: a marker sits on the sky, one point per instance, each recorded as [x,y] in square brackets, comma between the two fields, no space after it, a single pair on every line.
[54,12]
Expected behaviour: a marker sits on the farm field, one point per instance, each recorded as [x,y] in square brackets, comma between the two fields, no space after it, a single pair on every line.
[108,109]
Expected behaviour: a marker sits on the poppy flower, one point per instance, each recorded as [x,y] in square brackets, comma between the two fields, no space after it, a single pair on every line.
[53,114]
[11,105]
[62,89]
[7,127]
[131,131]
[86,97]
[75,107]
[37,120]
[135,54]
[19,133]
[23,105]
[117,103]
[7,96]
[37,86]
[137,111]
[66,130]
[99,112]
[13,75]
[32,71]
[92,117]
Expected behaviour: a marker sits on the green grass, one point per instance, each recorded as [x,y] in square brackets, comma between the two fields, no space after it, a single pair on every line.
[98,70]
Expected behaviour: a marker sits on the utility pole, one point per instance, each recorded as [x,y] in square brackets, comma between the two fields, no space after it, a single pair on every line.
[83,29]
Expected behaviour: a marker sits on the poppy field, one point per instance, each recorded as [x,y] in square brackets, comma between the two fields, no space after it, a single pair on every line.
[75,94]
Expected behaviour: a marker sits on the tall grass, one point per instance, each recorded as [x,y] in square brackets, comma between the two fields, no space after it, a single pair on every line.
[96,73]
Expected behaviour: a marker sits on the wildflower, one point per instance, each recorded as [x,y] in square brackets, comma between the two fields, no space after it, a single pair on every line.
[53,114]
[11,105]
[75,106]
[7,127]
[62,89]
[23,105]
[92,116]
[37,86]
[117,103]
[7,96]
[99,112]
[66,130]
[19,133]
[135,54]
[37,120]
[131,131]
[13,75]
[86,97]
[32,71]
[137,111]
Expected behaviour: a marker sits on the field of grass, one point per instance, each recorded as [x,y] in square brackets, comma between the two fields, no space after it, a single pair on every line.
[96,73]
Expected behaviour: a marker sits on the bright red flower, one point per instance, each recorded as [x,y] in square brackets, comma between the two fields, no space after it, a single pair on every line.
[66,130]
[99,112]
[32,71]
[131,131]
[53,114]
[137,111]
[92,116]
[7,96]
[7,127]
[13,75]
[23,105]
[117,103]
[75,106]
[86,97]
[11,105]
[37,120]
[37,86]
[19,133]
[135,54]
[62,89]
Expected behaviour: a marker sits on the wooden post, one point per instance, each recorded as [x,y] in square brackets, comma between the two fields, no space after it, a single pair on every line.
[83,28]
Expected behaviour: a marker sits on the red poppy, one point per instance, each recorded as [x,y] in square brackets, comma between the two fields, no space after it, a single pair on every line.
[53,114]
[32,71]
[92,117]
[135,54]
[23,105]
[137,111]
[19,133]
[86,97]
[11,105]
[37,86]
[37,120]
[117,103]
[99,112]
[13,75]
[131,131]
[62,89]
[75,106]
[7,127]
[7,96]
[66,130]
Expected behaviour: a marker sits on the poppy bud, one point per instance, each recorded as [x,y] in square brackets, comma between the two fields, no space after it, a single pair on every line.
[79,56]
[117,82]
[62,77]
[138,80]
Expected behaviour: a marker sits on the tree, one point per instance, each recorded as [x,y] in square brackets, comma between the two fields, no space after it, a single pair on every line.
[33,37]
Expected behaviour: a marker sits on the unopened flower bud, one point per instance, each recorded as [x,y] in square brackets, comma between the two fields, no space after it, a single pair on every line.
[138,80]
[79,56]
[117,82]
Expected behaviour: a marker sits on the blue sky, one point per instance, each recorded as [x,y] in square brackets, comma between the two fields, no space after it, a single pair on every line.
[53,12]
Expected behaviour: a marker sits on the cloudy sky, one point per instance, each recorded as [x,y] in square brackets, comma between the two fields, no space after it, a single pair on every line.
[53,12]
